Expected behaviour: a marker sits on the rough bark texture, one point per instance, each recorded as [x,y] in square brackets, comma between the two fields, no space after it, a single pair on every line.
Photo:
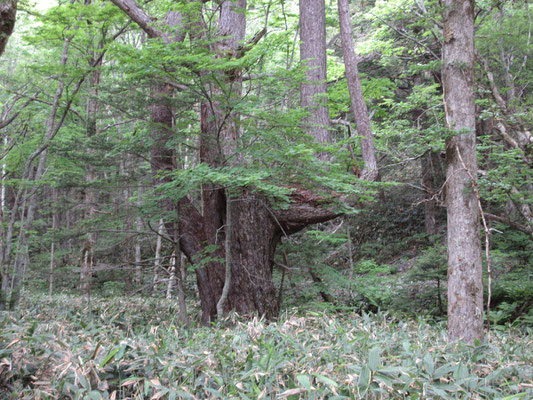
[256,228]
[465,286]
[362,120]
[313,54]
[8,14]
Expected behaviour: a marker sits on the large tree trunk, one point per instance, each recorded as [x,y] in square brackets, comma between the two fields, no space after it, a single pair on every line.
[8,14]
[255,235]
[362,119]
[465,285]
[313,91]
[256,228]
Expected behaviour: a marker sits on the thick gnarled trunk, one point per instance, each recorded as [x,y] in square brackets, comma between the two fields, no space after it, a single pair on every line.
[255,235]
[256,228]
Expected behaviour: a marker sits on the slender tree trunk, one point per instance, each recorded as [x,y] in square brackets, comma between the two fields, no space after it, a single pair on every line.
[439,298]
[281,285]
[138,229]
[432,180]
[171,275]
[313,92]
[291,275]
[318,280]
[3,268]
[350,260]
[52,245]
[91,195]
[227,278]
[432,176]
[3,186]
[362,120]
[180,286]
[157,262]
[465,285]
[51,129]
[20,252]
[87,266]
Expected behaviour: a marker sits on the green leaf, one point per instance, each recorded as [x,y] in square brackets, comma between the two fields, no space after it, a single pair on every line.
[364,379]
[429,364]
[373,358]
[32,328]
[94,395]
[443,371]
[515,396]
[108,358]
[326,380]
[304,381]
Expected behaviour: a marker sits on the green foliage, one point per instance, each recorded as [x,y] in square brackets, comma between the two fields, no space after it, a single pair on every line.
[431,264]
[134,349]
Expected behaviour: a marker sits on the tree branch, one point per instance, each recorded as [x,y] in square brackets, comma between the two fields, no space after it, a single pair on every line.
[140,17]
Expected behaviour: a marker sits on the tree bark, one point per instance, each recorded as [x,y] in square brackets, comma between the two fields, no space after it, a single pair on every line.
[362,120]
[465,285]
[157,262]
[180,282]
[55,218]
[171,275]
[8,16]
[227,276]
[256,228]
[313,91]
[138,240]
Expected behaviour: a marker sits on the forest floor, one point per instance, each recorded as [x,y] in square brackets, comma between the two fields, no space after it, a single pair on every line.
[134,348]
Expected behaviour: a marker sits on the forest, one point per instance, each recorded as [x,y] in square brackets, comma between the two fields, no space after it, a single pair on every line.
[257,199]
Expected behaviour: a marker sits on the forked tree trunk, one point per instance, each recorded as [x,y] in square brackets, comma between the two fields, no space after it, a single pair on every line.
[465,284]
[256,227]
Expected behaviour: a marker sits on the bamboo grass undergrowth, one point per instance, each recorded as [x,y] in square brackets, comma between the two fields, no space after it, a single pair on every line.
[134,348]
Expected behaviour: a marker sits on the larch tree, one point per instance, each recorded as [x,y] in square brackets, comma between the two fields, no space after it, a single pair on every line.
[465,284]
